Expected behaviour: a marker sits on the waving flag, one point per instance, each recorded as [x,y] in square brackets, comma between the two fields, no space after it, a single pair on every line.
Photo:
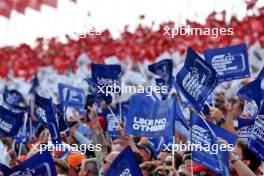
[210,100]
[196,80]
[106,75]
[150,118]
[14,100]
[162,69]
[99,96]
[159,142]
[23,135]
[222,133]
[256,142]
[10,122]
[112,121]
[164,84]
[202,136]
[180,117]
[40,164]
[124,164]
[253,91]
[45,112]
[76,96]
[230,62]
[105,80]
[250,109]
[245,129]
[35,84]
[184,102]
[60,115]
[43,106]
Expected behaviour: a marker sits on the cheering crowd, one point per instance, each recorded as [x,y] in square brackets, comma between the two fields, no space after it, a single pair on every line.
[57,118]
[89,126]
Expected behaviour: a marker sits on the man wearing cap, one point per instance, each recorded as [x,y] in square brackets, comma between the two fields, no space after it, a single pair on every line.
[146,151]
[74,161]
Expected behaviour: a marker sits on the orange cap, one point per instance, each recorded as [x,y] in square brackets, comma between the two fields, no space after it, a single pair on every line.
[22,158]
[74,159]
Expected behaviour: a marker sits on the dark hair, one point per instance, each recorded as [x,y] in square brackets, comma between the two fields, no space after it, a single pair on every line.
[61,166]
[6,142]
[148,148]
[138,157]
[248,155]
[178,161]
[148,166]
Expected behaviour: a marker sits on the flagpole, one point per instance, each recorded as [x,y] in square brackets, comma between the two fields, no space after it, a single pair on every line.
[202,117]
[212,133]
[31,113]
[30,128]
[120,109]
[208,104]
[191,165]
[23,131]
[110,109]
[191,152]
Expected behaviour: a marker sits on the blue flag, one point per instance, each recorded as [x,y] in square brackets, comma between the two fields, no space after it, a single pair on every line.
[150,118]
[253,91]
[184,102]
[99,95]
[112,121]
[250,109]
[10,122]
[106,79]
[35,84]
[210,100]
[43,106]
[23,135]
[230,63]
[76,98]
[45,112]
[40,164]
[245,129]
[61,116]
[222,133]
[162,83]
[124,164]
[163,69]
[106,75]
[196,80]
[256,142]
[208,103]
[159,142]
[202,136]
[180,117]
[14,100]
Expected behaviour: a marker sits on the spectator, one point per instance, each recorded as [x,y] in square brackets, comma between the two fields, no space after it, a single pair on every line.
[89,168]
